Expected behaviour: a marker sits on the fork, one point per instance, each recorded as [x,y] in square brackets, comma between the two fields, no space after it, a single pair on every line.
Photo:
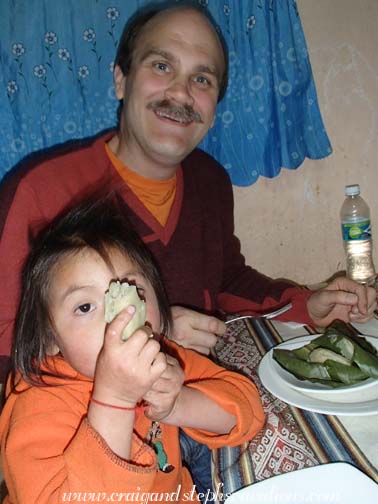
[263,314]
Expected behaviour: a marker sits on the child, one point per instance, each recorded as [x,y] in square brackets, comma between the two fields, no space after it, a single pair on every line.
[89,414]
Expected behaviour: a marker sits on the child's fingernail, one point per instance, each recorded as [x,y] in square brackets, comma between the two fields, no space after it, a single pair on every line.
[130,309]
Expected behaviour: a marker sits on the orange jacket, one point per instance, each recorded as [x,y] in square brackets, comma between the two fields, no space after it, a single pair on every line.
[50,453]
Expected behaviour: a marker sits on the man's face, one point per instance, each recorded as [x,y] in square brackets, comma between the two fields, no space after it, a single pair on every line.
[170,94]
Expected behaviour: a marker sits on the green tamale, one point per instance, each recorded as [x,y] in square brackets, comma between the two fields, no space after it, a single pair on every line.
[366,361]
[346,374]
[340,327]
[301,369]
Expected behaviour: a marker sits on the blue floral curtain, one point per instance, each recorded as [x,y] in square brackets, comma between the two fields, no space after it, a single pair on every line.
[56,62]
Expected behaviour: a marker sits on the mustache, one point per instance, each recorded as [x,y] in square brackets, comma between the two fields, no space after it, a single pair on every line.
[183,112]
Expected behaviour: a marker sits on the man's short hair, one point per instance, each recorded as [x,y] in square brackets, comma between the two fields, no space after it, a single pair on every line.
[135,25]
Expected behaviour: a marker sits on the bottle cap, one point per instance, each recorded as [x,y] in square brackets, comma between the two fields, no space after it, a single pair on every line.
[352,190]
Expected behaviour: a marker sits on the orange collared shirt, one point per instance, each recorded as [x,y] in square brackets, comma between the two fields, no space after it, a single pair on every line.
[156,195]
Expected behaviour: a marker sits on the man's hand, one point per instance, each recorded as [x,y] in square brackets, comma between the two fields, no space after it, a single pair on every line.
[195,330]
[162,396]
[342,299]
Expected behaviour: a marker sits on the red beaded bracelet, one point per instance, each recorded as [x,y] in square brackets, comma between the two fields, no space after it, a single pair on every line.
[137,408]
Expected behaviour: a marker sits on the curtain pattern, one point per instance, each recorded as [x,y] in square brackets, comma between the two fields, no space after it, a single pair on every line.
[56,63]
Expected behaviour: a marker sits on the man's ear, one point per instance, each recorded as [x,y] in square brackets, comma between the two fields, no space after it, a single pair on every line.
[119,82]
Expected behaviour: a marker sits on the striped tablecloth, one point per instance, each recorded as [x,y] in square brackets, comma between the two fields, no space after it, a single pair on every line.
[292,438]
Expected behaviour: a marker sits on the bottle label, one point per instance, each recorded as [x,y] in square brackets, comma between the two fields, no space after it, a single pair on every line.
[356,230]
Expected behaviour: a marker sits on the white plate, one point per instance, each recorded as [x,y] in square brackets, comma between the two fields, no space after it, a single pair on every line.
[366,390]
[270,374]
[335,482]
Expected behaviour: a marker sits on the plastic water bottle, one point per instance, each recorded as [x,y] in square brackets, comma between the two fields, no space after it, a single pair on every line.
[356,231]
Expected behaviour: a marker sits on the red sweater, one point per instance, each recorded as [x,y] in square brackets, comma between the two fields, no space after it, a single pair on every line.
[197,251]
[49,449]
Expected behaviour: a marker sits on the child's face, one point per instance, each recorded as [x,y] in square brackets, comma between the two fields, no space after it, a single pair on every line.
[77,305]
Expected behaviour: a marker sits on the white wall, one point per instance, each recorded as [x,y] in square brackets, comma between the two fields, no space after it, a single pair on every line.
[289,226]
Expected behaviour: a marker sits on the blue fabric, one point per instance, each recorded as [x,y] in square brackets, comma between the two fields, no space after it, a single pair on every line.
[197,458]
[56,61]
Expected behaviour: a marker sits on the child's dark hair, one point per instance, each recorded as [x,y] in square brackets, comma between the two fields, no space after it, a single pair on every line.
[99,225]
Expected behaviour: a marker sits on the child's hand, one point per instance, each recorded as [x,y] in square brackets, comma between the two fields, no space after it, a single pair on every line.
[126,370]
[163,394]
